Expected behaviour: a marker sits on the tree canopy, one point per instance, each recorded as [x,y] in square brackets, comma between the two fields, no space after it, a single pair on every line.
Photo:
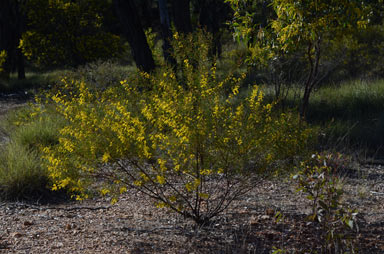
[297,26]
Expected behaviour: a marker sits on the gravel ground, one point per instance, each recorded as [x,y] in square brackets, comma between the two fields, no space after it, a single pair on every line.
[133,225]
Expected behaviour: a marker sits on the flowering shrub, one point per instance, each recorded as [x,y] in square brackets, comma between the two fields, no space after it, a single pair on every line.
[186,142]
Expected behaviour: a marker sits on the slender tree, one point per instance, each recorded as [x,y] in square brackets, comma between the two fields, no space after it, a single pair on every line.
[21,29]
[166,31]
[212,17]
[133,30]
[11,27]
[299,27]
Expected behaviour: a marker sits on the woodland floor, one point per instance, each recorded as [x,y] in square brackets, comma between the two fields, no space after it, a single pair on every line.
[134,225]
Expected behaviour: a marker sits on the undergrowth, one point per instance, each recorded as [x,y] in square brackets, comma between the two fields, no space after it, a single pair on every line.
[21,173]
[349,115]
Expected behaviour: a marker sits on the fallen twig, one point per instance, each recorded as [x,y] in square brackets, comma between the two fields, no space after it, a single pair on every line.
[377,193]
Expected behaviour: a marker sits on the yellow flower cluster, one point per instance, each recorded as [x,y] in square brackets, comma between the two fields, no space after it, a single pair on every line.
[3,57]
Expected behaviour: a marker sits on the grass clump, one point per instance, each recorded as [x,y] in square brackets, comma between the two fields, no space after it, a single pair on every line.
[22,171]
[22,175]
[38,133]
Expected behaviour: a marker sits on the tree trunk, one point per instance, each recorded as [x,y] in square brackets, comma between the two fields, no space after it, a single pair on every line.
[12,26]
[311,82]
[212,15]
[22,25]
[182,16]
[20,65]
[304,104]
[165,31]
[134,33]
[8,34]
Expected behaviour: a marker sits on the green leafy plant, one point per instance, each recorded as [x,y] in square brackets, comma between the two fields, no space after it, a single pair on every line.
[319,181]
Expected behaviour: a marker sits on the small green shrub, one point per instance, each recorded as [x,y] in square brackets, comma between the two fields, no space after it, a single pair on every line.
[319,181]
[184,139]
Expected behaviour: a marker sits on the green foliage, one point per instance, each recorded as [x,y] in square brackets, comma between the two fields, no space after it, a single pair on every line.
[362,54]
[309,21]
[186,141]
[278,251]
[319,181]
[301,28]
[68,33]
[251,27]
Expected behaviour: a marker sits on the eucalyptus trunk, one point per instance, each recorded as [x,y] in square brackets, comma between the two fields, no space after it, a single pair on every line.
[11,28]
[134,33]
[166,32]
[182,16]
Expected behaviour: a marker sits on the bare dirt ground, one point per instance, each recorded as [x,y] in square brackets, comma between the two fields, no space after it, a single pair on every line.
[11,102]
[133,225]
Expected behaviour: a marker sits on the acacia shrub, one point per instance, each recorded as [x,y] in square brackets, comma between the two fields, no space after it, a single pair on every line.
[189,143]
